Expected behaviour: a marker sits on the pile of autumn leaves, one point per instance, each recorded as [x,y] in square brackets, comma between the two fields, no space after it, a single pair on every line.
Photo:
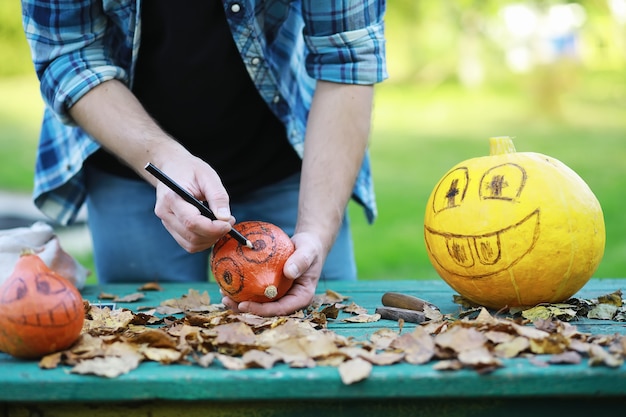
[190,330]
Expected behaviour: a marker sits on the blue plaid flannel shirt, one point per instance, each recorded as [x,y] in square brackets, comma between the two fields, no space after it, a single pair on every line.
[286,46]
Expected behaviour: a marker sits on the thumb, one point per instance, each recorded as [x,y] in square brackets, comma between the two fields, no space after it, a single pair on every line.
[299,262]
[219,204]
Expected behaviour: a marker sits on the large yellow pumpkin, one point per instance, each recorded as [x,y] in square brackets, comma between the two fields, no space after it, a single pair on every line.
[514,229]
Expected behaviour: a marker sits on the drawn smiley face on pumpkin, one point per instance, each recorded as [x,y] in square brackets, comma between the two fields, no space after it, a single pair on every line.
[513,229]
[482,227]
[55,303]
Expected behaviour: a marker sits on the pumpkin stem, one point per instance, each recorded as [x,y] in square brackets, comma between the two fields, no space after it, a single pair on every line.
[500,145]
[270,292]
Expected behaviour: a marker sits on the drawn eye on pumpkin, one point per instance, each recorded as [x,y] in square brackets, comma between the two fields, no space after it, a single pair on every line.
[231,276]
[451,190]
[48,284]
[502,182]
[264,247]
[15,291]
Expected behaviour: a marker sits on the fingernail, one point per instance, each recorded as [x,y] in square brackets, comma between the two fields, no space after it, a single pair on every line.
[293,271]
[223,213]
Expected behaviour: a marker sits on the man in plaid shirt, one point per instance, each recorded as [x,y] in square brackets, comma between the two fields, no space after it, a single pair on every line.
[260,107]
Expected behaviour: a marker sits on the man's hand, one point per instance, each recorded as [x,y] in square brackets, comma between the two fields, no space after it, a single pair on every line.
[193,231]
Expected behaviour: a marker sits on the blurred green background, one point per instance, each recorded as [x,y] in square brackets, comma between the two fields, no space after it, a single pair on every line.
[551,74]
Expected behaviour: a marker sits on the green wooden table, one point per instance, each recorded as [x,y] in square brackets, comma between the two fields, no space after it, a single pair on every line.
[519,388]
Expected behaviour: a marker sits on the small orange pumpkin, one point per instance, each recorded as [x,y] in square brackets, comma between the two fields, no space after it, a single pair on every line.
[41,312]
[255,274]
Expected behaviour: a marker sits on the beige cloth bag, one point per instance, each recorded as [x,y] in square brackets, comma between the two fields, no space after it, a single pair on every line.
[41,239]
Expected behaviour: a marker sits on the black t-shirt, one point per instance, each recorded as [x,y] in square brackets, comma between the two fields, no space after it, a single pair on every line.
[192,81]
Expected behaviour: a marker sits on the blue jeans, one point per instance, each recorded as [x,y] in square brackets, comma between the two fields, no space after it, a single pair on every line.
[130,243]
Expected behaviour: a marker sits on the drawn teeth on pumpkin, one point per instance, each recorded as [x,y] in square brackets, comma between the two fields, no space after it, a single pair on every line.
[460,250]
[59,315]
[499,250]
[464,249]
[488,248]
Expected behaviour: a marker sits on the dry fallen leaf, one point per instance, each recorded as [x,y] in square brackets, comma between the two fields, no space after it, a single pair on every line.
[614,298]
[448,365]
[560,311]
[382,358]
[479,358]
[355,309]
[105,321]
[599,356]
[205,360]
[363,318]
[603,312]
[192,301]
[150,286]
[512,348]
[460,338]
[569,357]
[106,296]
[162,355]
[330,311]
[129,298]
[418,346]
[329,297]
[259,359]
[553,344]
[354,370]
[50,361]
[235,333]
[382,338]
[108,366]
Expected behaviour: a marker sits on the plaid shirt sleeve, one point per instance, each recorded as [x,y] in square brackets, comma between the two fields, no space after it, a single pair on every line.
[345,39]
[72,48]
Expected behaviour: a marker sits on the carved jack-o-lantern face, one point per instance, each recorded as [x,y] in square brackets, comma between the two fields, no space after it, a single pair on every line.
[505,229]
[40,311]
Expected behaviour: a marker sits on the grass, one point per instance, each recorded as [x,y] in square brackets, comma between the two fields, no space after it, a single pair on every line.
[418,134]
[20,117]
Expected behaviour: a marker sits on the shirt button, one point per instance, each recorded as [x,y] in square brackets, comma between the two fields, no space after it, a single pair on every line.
[255,61]
[276,99]
[235,7]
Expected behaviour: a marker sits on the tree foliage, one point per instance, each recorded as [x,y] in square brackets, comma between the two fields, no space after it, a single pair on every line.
[13,47]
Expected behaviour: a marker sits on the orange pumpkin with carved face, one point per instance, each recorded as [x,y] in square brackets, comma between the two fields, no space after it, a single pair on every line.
[41,312]
[514,229]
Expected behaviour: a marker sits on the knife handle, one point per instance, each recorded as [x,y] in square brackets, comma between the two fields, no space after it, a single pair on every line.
[395,314]
[408,302]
